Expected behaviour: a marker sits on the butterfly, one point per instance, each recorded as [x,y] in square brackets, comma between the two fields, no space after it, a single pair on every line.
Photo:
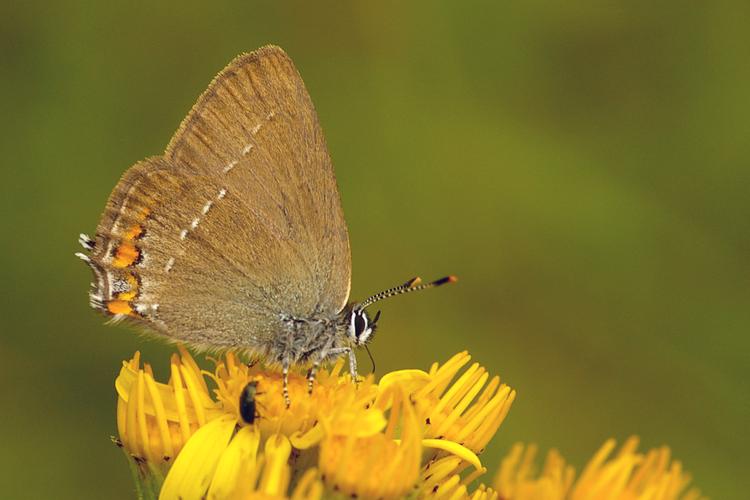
[234,238]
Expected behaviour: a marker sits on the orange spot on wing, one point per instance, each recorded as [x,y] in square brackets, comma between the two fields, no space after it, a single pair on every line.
[125,255]
[137,229]
[133,233]
[119,307]
[127,295]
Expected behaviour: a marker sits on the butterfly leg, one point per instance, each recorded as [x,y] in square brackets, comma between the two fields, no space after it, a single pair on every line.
[311,376]
[352,360]
[353,366]
[285,374]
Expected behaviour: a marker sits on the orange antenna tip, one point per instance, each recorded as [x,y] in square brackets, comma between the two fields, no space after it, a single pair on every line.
[443,281]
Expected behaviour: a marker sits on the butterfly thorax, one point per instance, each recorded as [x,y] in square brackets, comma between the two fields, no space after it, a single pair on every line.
[306,340]
[320,337]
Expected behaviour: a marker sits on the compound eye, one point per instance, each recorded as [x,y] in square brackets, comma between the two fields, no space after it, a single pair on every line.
[360,324]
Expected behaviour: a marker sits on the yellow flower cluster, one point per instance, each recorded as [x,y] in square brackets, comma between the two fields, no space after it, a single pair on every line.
[626,476]
[413,434]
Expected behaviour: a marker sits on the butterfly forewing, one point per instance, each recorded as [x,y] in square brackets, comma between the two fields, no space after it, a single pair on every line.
[237,225]
[256,130]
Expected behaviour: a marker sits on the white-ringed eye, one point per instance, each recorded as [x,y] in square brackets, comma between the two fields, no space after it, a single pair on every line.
[360,324]
[359,327]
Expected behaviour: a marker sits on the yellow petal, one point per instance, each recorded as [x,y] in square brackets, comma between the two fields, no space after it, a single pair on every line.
[411,380]
[454,449]
[303,441]
[235,465]
[275,479]
[191,474]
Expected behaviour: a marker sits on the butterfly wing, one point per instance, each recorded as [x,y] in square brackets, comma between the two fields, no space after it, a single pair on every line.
[240,221]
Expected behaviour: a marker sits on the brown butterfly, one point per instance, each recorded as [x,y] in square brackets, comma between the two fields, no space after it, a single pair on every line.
[235,238]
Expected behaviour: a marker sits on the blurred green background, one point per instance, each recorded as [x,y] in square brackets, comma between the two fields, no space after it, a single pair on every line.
[583,169]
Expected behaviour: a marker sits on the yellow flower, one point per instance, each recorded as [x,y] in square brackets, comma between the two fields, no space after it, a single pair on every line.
[458,412]
[364,439]
[154,420]
[626,476]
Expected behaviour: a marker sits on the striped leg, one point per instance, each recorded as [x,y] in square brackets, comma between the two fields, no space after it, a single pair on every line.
[285,373]
[311,376]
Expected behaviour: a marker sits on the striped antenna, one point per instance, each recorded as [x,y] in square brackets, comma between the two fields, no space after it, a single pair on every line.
[412,285]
